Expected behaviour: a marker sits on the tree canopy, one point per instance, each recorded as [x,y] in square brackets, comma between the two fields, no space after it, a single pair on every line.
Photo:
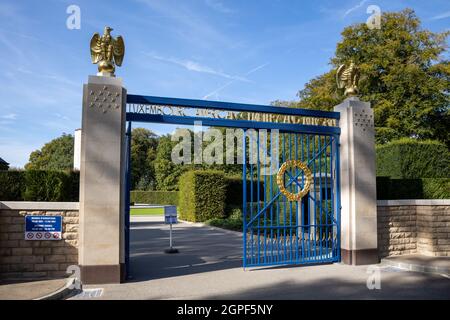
[143,153]
[54,155]
[403,74]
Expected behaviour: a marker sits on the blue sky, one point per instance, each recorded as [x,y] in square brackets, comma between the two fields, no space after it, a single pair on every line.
[242,51]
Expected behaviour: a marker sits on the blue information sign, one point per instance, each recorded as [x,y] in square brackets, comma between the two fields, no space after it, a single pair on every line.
[43,227]
[170,214]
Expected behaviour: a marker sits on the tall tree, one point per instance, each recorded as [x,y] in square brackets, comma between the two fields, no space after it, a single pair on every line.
[143,152]
[167,173]
[54,155]
[403,74]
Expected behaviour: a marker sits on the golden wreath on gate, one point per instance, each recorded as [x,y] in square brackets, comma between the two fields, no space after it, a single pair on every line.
[280,181]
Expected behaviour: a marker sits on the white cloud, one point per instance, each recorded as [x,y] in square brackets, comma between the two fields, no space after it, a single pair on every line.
[189,24]
[9,116]
[197,67]
[218,6]
[441,16]
[216,91]
[356,7]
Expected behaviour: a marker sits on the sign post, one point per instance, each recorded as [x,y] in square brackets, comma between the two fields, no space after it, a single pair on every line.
[170,217]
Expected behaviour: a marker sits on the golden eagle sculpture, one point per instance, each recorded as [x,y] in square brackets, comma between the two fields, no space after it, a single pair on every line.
[348,77]
[107,52]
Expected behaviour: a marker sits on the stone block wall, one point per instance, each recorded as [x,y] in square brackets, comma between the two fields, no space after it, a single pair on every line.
[413,226]
[433,230]
[20,258]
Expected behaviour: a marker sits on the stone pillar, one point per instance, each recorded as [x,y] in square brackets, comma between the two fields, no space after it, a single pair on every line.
[77,149]
[102,181]
[358,183]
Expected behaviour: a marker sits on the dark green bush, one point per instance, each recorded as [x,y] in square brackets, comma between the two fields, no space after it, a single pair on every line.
[202,195]
[233,197]
[46,185]
[410,159]
[11,185]
[155,197]
[39,185]
[426,188]
[233,222]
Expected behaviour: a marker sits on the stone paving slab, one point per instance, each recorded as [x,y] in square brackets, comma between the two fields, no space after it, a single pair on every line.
[29,290]
[420,263]
[208,266]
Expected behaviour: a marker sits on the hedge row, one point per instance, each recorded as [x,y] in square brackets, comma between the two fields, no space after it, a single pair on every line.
[425,188]
[411,159]
[39,185]
[202,195]
[234,191]
[155,197]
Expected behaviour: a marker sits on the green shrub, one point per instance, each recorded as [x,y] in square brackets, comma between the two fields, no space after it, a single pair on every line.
[11,185]
[426,188]
[202,195]
[410,159]
[233,198]
[46,185]
[39,185]
[233,222]
[155,197]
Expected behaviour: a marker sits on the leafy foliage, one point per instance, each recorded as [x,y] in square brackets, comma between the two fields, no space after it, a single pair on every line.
[143,154]
[11,185]
[39,185]
[403,73]
[425,188]
[54,155]
[202,195]
[155,197]
[167,172]
[410,158]
[233,222]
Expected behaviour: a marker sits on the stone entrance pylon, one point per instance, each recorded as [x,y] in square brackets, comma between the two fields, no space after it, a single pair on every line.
[102,181]
[358,183]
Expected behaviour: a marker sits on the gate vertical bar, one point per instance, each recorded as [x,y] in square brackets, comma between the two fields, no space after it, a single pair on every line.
[338,198]
[127,199]
[244,201]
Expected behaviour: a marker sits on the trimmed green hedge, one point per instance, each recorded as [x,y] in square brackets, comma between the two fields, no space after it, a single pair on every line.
[425,188]
[234,191]
[12,184]
[202,195]
[39,185]
[410,159]
[155,197]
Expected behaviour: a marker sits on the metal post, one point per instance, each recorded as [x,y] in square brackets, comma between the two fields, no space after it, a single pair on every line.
[171,248]
[127,200]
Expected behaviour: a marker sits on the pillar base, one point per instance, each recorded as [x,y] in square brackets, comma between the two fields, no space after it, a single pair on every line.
[360,257]
[103,274]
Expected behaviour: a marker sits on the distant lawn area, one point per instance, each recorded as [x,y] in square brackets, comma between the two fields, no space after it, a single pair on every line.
[146,211]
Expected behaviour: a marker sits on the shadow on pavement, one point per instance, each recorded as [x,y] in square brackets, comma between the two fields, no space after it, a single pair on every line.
[201,249]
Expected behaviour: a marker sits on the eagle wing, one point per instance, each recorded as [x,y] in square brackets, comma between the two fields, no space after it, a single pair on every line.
[119,50]
[340,76]
[96,50]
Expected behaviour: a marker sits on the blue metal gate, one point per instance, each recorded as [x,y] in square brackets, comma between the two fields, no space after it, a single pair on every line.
[291,216]
[291,209]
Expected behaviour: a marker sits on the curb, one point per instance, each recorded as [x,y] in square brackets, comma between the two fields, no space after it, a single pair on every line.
[201,224]
[62,293]
[416,267]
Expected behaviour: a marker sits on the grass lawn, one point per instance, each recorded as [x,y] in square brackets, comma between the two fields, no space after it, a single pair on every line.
[146,211]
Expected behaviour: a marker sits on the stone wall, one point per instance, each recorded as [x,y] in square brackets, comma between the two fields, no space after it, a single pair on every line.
[414,226]
[20,258]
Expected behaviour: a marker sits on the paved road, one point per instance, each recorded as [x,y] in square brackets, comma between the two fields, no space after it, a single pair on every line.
[209,267]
